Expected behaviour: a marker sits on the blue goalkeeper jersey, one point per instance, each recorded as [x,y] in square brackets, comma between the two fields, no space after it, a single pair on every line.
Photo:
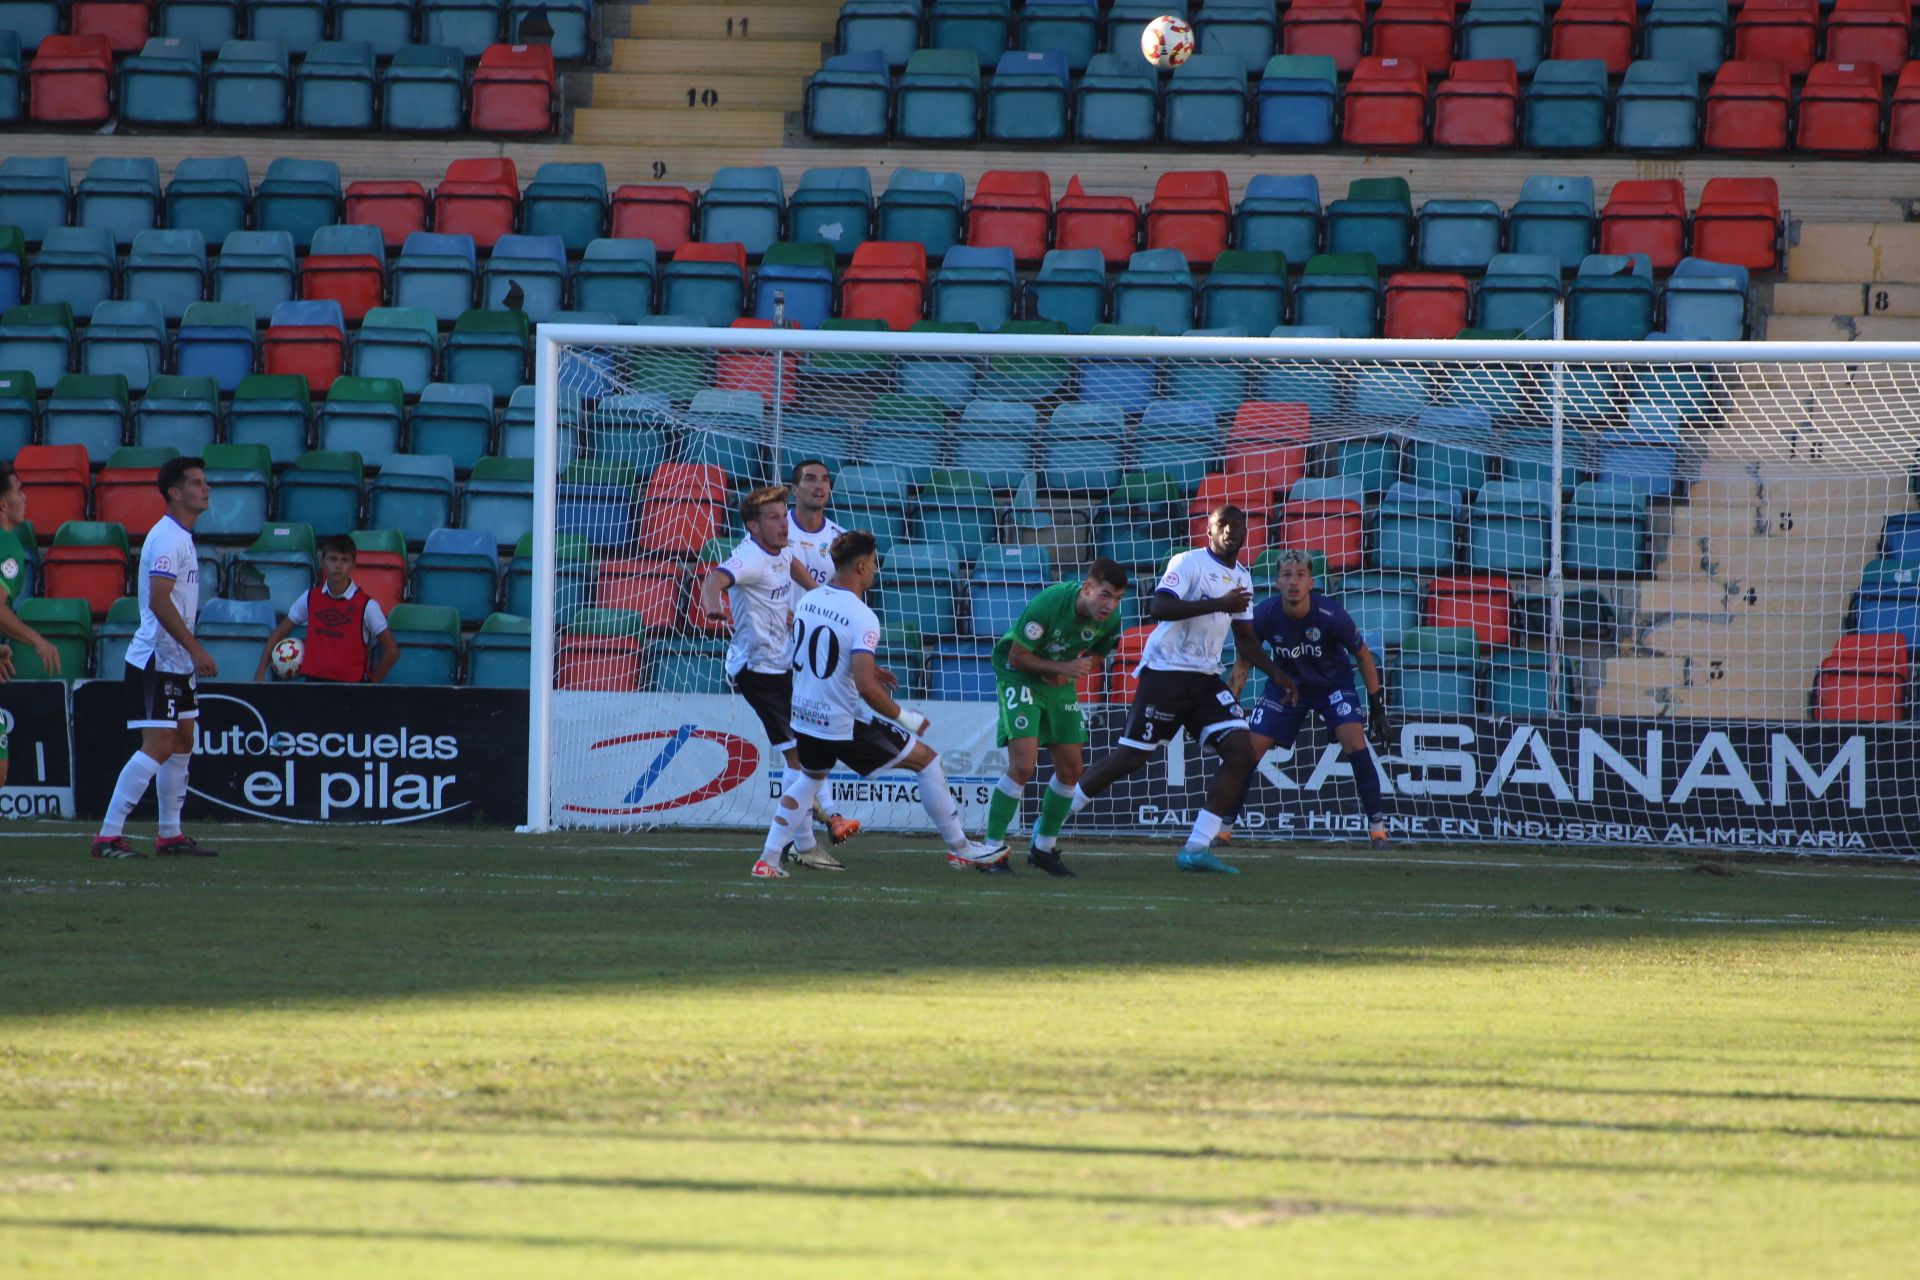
[1312,649]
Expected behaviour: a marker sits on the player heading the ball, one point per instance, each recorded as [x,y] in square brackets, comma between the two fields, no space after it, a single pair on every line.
[1310,635]
[837,690]
[1205,595]
[1060,636]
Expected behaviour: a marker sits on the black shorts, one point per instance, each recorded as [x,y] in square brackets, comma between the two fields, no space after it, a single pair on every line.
[875,745]
[771,698]
[1168,701]
[159,699]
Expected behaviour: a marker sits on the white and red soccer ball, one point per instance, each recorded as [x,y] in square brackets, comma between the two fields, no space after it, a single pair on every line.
[1167,41]
[287,657]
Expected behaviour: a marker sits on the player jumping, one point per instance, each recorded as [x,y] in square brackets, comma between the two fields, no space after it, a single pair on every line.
[1059,637]
[1311,635]
[164,664]
[758,581]
[1204,594]
[837,689]
[811,536]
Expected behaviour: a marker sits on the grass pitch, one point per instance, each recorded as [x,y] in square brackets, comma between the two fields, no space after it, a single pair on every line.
[427,1053]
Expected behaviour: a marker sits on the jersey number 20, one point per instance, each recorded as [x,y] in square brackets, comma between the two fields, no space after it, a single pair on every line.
[817,651]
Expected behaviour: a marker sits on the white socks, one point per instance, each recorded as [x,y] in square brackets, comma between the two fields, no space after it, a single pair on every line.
[792,825]
[127,792]
[171,788]
[1080,800]
[1008,787]
[938,802]
[1205,827]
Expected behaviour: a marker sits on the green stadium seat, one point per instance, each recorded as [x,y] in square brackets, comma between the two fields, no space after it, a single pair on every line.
[1341,290]
[429,640]
[1247,288]
[500,656]
[88,410]
[271,411]
[278,567]
[363,416]
[322,491]
[402,343]
[1439,673]
[1296,102]
[490,348]
[423,90]
[67,624]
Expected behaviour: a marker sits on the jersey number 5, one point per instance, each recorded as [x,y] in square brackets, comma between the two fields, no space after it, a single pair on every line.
[817,651]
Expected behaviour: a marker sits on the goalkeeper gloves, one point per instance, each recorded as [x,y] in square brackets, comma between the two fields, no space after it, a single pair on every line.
[1377,727]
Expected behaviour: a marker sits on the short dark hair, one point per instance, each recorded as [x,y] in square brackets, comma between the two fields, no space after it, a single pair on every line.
[341,545]
[173,473]
[850,546]
[766,496]
[804,463]
[1228,511]
[1109,572]
[7,476]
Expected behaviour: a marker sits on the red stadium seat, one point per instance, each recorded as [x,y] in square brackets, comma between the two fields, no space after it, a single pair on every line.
[654,589]
[1738,222]
[382,575]
[398,208]
[1266,451]
[1747,108]
[1110,224]
[1782,31]
[672,528]
[1335,527]
[480,198]
[1426,304]
[71,79]
[887,281]
[128,496]
[663,215]
[598,663]
[1122,684]
[317,352]
[1416,30]
[1840,110]
[1477,107]
[1326,28]
[1386,104]
[1191,212]
[1013,209]
[738,370]
[687,482]
[1870,31]
[124,24]
[1903,117]
[1482,601]
[1602,29]
[54,477]
[97,575]
[357,281]
[1646,216]
[1864,678]
[513,90]
[1092,687]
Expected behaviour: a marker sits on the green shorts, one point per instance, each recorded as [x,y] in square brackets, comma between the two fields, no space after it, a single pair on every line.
[1027,709]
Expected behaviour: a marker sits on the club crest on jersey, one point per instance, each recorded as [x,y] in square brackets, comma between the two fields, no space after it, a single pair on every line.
[9,568]
[1313,634]
[161,564]
[1034,631]
[1086,633]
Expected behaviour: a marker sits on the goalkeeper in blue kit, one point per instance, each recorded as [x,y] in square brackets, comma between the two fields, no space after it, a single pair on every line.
[1311,637]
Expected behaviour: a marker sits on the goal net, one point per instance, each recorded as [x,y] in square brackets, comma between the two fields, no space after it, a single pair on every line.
[1648,593]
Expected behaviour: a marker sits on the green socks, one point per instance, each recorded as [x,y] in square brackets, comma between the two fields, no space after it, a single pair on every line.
[1001,808]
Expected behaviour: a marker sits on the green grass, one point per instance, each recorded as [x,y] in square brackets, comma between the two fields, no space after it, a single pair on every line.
[426,1053]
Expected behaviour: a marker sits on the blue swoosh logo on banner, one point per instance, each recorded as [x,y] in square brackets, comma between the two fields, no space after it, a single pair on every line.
[659,765]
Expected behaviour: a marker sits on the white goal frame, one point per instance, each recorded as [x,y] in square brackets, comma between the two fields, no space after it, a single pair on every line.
[552,339]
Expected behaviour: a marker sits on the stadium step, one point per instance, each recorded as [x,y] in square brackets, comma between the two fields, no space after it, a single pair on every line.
[1870,300]
[700,92]
[679,56]
[1849,252]
[724,22]
[595,125]
[1847,328]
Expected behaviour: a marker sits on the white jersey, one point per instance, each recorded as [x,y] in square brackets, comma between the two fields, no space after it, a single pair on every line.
[1195,644]
[814,551]
[168,552]
[761,596]
[830,625]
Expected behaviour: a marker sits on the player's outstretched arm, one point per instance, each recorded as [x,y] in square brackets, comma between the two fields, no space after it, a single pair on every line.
[280,633]
[801,578]
[713,593]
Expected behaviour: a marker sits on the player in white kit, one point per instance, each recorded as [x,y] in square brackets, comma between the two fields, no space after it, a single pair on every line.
[811,536]
[1205,595]
[838,693]
[759,581]
[164,664]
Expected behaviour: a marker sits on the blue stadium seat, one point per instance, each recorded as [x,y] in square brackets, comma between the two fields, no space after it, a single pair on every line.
[423,90]
[995,438]
[1371,463]
[128,339]
[498,499]
[160,85]
[435,273]
[1179,438]
[272,412]
[1206,101]
[414,494]
[795,280]
[571,20]
[1246,288]
[1439,675]
[982,26]
[1451,449]
[918,586]
[1070,28]
[77,266]
[961,671]
[1341,290]
[890,26]
[298,25]
[1566,106]
[37,340]
[211,196]
[1707,300]
[13,266]
[1080,451]
[500,656]
[402,343]
[1156,291]
[30,21]
[333,88]
[1375,217]
[429,640]
[1692,33]
[938,99]
[209,23]
[322,491]
[247,86]
[1459,235]
[1071,287]
[1657,108]
[745,206]
[12,78]
[178,413]
[88,410]
[1117,99]
[467,25]
[833,207]
[1384,603]
[1554,215]
[168,268]
[492,347]
[385,25]
[1240,29]
[617,276]
[1280,215]
[1606,531]
[120,193]
[1296,102]
[234,632]
[566,200]
[298,197]
[216,340]
[1507,529]
[363,416]
[458,568]
[977,285]
[1027,98]
[1518,293]
[710,287]
[1644,454]
[36,194]
[241,477]
[1611,298]
[537,265]
[1512,29]
[850,97]
[454,418]
[1416,529]
[1519,684]
[918,205]
[1004,579]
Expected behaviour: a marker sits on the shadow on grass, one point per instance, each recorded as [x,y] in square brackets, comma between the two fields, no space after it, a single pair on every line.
[319,921]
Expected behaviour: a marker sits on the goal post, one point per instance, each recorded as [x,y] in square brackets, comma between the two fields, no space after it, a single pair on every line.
[1654,593]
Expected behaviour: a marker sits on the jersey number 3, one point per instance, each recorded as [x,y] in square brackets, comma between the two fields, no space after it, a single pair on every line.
[817,651]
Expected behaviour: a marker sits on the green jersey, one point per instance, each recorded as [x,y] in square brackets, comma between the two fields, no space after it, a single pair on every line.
[1053,629]
[13,563]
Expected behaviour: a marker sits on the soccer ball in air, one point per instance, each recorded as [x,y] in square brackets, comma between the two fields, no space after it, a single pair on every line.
[1167,41]
[287,656]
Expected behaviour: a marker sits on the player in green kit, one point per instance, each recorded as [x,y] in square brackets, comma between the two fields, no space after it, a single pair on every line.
[13,563]
[1060,636]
